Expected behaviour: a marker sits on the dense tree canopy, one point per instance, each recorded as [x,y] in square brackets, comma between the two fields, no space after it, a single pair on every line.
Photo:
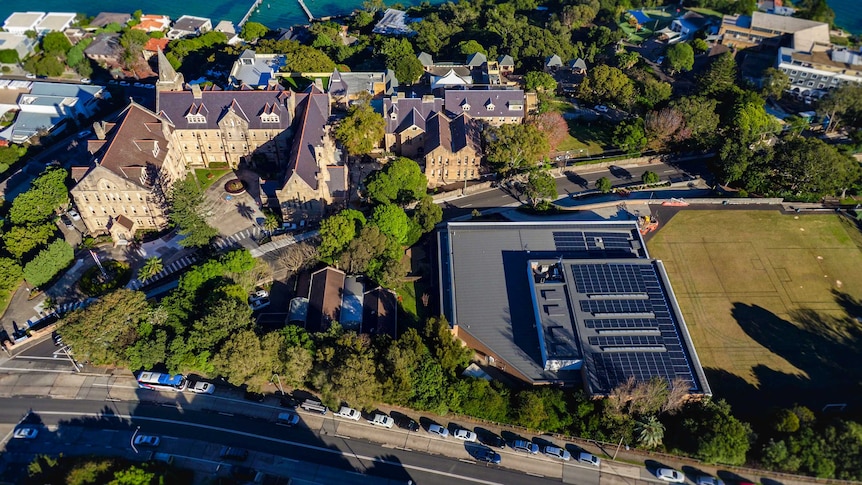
[47,194]
[187,212]
[361,130]
[336,232]
[50,261]
[400,181]
[512,147]
[680,57]
[607,84]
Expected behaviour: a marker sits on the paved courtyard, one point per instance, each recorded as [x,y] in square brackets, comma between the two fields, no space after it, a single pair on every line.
[231,214]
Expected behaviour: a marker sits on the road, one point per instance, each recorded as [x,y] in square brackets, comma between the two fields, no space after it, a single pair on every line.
[584,179]
[86,426]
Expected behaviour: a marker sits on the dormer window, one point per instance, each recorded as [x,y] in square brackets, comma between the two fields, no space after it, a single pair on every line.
[393,115]
[156,149]
[269,118]
[489,106]
[196,118]
[516,107]
[466,106]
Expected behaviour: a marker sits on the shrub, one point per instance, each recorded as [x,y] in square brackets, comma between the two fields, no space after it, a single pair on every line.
[118,275]
[48,263]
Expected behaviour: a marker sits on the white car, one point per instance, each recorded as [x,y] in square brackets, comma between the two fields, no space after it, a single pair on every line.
[601,108]
[708,480]
[438,430]
[670,475]
[86,80]
[201,387]
[74,215]
[557,452]
[589,459]
[350,413]
[465,435]
[25,433]
[30,76]
[381,419]
[147,440]
[259,294]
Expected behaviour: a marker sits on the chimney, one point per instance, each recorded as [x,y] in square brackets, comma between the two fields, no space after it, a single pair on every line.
[272,83]
[318,83]
[196,91]
[427,98]
[99,130]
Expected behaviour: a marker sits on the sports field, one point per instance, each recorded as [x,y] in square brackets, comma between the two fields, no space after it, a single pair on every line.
[771,302]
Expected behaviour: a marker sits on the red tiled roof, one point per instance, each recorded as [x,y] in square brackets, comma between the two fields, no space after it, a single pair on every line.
[154,45]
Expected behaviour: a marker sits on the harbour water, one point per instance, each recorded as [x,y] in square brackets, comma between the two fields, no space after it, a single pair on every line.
[284,13]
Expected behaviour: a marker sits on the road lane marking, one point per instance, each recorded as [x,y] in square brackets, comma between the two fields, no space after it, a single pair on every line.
[276,440]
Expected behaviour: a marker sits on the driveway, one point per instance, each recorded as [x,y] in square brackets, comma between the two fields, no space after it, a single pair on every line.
[230,214]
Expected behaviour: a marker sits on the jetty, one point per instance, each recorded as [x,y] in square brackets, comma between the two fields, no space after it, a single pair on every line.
[245,18]
[306,10]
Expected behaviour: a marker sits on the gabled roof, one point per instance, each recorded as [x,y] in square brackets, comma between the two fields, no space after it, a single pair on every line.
[476,59]
[426,59]
[404,108]
[578,64]
[453,135]
[553,61]
[105,45]
[175,105]
[485,103]
[312,114]
[380,312]
[506,61]
[155,45]
[134,141]
[324,299]
[105,18]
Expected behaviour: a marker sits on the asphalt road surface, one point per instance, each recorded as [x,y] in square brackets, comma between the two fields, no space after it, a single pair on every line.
[121,419]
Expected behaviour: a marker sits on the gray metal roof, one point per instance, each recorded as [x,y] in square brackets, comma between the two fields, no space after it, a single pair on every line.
[490,288]
[485,103]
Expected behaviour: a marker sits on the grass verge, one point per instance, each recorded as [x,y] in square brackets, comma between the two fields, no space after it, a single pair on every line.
[208,176]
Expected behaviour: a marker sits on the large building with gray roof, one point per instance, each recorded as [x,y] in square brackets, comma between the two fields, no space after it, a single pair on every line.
[564,303]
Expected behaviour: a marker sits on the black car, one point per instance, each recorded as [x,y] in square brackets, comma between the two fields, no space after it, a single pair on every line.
[492,440]
[254,396]
[288,401]
[488,456]
[67,222]
[233,453]
[406,423]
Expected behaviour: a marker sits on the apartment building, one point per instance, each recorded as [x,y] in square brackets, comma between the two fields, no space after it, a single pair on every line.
[453,149]
[823,67]
[744,31]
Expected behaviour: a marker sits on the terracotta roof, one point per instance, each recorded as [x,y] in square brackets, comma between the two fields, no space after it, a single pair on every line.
[154,45]
[124,222]
[312,114]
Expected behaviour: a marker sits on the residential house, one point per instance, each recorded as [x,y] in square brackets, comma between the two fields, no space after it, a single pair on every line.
[153,23]
[333,296]
[494,107]
[105,49]
[255,71]
[687,25]
[578,66]
[189,25]
[22,22]
[552,63]
[476,69]
[316,177]
[121,188]
[743,31]
[345,87]
[405,123]
[154,46]
[107,18]
[227,28]
[54,22]
[507,65]
[814,72]
[394,22]
[20,43]
[453,149]
[45,106]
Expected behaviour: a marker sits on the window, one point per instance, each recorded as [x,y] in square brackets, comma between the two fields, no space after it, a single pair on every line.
[804,74]
[820,86]
[814,76]
[810,83]
[196,119]
[490,106]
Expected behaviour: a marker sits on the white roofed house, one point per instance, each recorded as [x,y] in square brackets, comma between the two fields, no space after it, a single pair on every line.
[189,25]
[21,22]
[20,43]
[394,22]
[256,71]
[345,87]
[45,106]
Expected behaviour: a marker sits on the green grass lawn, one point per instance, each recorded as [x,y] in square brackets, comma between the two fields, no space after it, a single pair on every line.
[771,303]
[591,138]
[209,176]
[410,303]
[5,298]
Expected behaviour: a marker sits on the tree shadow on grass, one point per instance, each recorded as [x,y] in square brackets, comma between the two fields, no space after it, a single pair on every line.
[824,348]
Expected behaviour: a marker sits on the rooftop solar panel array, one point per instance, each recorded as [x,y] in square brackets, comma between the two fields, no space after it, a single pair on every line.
[626,353]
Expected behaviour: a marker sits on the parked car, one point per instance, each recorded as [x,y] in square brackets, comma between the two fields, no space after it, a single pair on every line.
[86,80]
[589,459]
[259,304]
[30,76]
[254,396]
[407,423]
[348,413]
[670,475]
[201,387]
[74,215]
[465,435]
[147,440]
[233,453]
[66,221]
[259,295]
[287,419]
[660,60]
[438,430]
[557,452]
[601,108]
[492,440]
[525,446]
[488,456]
[381,419]
[25,433]
[708,480]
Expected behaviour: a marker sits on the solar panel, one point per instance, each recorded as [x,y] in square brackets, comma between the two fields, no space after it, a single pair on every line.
[619,323]
[626,340]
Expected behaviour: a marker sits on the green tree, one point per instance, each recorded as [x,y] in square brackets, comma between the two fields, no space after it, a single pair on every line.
[187,212]
[8,56]
[224,318]
[680,57]
[433,33]
[50,261]
[427,214]
[540,186]
[751,121]
[11,154]
[654,92]
[712,434]
[20,240]
[630,135]
[336,232]
[392,221]
[247,359]
[701,118]
[47,194]
[649,178]
[607,84]
[152,266]
[303,58]
[270,222]
[785,421]
[56,44]
[843,105]
[700,45]
[102,332]
[10,274]
[361,130]
[470,47]
[133,476]
[540,81]
[543,409]
[775,83]
[251,31]
[401,181]
[148,351]
[450,352]
[720,76]
[133,42]
[651,432]
[44,65]
[75,56]
[627,59]
[513,147]
[604,185]
[817,10]
[399,56]
[371,248]
[808,168]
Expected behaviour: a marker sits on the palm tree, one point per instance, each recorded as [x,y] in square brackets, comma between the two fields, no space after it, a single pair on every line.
[651,432]
[151,267]
[270,222]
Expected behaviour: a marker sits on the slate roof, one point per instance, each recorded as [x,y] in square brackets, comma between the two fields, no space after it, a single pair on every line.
[324,299]
[506,60]
[105,45]
[215,103]
[454,135]
[130,143]
[477,59]
[553,61]
[480,100]
[189,23]
[312,114]
[105,18]
[426,59]
[346,83]
[409,111]
[380,312]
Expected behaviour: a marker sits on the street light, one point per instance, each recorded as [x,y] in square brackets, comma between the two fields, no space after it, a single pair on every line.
[132,441]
